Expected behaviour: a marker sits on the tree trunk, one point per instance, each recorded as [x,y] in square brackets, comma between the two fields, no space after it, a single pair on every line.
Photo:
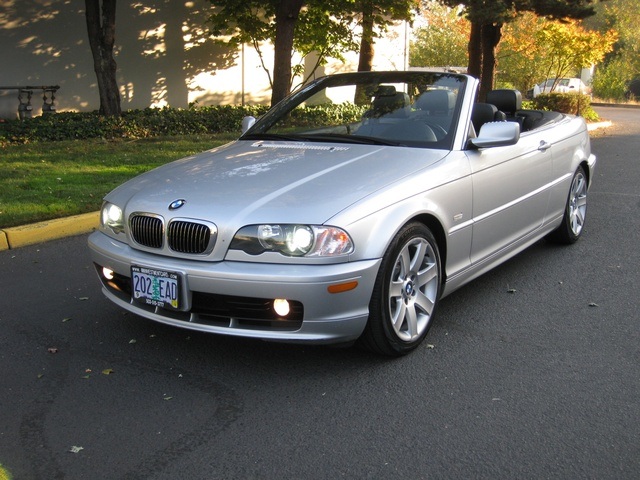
[491,34]
[101,23]
[286,18]
[365,61]
[475,50]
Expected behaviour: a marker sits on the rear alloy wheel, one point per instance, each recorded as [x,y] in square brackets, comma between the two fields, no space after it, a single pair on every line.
[405,294]
[575,212]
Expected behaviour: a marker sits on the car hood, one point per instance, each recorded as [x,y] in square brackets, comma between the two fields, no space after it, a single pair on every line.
[249,182]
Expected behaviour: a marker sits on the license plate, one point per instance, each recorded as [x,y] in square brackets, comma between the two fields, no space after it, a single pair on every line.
[156,287]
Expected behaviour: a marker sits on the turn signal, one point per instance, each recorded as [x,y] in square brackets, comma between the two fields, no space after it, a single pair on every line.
[342,287]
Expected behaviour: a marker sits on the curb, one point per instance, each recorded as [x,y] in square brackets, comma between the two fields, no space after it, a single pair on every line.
[595,126]
[614,105]
[16,237]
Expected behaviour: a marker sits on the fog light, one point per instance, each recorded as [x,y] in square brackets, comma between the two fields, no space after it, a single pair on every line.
[281,306]
[107,273]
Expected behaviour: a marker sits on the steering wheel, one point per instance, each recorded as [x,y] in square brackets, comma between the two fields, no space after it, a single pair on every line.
[438,130]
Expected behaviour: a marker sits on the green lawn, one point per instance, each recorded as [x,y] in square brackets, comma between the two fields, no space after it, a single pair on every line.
[52,180]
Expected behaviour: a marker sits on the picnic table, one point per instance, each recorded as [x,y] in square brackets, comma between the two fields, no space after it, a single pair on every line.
[25,109]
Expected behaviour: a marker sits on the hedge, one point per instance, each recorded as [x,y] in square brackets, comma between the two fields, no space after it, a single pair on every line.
[132,124]
[150,122]
[572,103]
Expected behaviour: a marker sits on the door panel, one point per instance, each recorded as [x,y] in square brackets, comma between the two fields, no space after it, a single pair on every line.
[510,192]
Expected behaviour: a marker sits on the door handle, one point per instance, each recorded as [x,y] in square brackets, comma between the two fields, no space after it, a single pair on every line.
[544,146]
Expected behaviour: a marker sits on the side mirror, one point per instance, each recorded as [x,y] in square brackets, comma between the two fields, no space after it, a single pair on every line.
[247,123]
[497,134]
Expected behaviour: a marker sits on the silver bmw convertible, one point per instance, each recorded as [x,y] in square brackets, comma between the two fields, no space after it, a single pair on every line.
[346,212]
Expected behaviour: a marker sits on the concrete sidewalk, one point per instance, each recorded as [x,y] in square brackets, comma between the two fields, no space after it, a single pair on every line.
[16,237]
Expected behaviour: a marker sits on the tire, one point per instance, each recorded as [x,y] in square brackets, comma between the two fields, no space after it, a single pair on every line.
[575,212]
[405,294]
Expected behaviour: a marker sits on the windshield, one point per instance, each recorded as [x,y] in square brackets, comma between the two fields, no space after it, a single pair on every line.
[414,109]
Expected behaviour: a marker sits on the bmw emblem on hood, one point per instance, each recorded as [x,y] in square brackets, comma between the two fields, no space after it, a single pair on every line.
[176,204]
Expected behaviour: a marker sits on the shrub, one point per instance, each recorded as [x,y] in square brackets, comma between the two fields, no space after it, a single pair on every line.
[151,122]
[326,115]
[131,124]
[574,104]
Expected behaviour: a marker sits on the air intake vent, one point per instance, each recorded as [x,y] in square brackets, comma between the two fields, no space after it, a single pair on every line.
[190,237]
[146,230]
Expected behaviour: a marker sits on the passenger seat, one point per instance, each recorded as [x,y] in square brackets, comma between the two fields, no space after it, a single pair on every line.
[509,102]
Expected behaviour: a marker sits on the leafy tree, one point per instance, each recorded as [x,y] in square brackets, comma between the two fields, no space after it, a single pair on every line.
[569,46]
[443,41]
[301,25]
[375,18]
[520,55]
[487,18]
[534,48]
[101,22]
[324,27]
[324,35]
[620,66]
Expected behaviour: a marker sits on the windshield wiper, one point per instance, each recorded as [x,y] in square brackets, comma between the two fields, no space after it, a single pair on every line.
[272,136]
[345,138]
[322,137]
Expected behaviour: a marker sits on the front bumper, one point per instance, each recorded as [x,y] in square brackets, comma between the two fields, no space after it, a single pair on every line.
[213,291]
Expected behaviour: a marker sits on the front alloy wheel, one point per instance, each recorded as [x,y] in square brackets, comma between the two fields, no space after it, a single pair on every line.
[405,294]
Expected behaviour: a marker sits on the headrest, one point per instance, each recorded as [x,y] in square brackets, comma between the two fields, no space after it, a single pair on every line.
[508,101]
[387,104]
[385,91]
[483,113]
[436,101]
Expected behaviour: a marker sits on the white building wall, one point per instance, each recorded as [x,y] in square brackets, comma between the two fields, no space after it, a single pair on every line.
[162,52]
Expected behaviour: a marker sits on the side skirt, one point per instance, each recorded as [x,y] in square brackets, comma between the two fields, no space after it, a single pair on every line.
[472,272]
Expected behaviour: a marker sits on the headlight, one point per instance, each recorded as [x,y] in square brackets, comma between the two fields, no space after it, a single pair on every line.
[293,240]
[112,217]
